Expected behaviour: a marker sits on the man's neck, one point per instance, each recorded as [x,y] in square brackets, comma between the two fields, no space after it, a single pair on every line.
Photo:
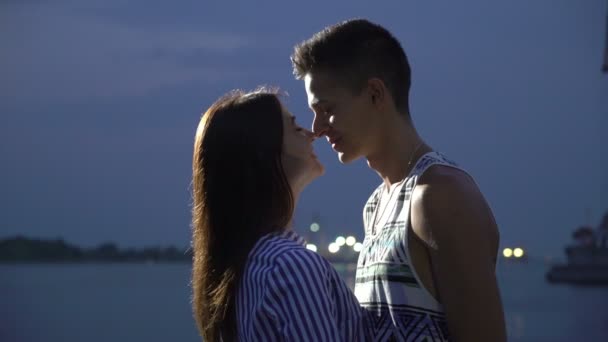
[396,150]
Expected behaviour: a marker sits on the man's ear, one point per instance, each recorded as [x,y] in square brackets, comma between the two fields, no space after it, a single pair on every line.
[377,91]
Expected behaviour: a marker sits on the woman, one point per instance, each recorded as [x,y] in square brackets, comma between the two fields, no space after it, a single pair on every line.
[253,279]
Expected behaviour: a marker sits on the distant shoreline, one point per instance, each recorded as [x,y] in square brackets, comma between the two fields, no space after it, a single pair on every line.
[22,250]
[95,262]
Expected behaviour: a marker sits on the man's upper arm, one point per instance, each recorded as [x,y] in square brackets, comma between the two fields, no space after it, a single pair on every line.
[451,215]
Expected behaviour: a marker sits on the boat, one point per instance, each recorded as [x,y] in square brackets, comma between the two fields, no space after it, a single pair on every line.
[587,257]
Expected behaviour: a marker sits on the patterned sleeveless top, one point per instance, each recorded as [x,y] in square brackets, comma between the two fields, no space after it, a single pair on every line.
[400,307]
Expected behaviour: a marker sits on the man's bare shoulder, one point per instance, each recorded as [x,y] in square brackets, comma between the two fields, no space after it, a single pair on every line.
[445,183]
[447,205]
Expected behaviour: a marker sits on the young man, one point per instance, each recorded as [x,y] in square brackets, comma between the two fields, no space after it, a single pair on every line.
[427,268]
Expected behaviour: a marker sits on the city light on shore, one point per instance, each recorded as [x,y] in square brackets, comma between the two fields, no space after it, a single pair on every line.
[333,248]
[357,247]
[351,240]
[314,227]
[340,241]
[312,247]
[513,252]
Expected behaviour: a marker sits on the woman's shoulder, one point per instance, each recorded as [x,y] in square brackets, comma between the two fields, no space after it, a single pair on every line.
[288,250]
[302,256]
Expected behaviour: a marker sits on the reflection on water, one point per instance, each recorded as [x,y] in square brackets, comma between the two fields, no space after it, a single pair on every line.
[515,325]
[137,302]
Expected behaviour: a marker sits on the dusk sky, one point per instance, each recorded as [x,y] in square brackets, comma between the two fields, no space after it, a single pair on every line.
[99,103]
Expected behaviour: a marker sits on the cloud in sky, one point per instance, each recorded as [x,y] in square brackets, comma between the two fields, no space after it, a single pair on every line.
[57,53]
[99,101]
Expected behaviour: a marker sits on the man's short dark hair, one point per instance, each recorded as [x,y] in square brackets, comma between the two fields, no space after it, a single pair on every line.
[355,51]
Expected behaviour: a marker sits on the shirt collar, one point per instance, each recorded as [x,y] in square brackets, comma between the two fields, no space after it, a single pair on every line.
[293,236]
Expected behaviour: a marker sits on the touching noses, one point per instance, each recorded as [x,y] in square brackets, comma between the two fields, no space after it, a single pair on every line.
[309,135]
[319,125]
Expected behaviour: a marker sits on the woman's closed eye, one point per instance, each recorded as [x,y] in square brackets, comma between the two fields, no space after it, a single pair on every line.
[295,124]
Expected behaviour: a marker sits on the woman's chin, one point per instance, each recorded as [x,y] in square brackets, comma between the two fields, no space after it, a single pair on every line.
[313,172]
[317,169]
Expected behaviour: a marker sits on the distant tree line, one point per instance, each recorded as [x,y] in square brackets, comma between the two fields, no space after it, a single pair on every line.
[20,249]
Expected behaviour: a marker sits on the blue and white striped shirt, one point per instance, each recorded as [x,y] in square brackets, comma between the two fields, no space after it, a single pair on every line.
[289,293]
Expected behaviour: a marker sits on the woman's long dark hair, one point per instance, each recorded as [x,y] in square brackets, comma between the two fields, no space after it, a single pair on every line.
[240,193]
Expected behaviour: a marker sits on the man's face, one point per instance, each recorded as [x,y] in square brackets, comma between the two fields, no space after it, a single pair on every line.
[339,114]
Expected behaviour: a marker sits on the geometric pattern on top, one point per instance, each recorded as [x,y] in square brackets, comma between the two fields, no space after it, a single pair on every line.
[400,309]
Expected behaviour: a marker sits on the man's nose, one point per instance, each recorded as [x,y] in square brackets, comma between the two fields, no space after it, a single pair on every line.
[319,125]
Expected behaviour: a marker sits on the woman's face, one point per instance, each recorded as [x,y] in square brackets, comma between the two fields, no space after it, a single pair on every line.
[299,160]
